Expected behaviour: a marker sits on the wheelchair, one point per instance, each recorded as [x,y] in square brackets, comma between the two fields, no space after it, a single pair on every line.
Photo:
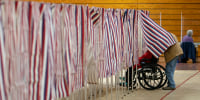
[150,75]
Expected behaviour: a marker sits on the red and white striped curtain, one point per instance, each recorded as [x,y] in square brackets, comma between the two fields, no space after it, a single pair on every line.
[49,51]
[156,38]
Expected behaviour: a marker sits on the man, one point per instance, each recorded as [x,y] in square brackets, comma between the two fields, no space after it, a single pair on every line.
[171,57]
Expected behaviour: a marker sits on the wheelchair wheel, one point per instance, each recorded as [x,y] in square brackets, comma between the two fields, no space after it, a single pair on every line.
[153,77]
[164,75]
[141,80]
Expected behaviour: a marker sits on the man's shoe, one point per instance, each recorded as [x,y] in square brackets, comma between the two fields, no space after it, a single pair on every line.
[168,88]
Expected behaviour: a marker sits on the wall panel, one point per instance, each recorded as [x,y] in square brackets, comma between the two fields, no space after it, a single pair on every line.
[119,1]
[178,16]
[175,11]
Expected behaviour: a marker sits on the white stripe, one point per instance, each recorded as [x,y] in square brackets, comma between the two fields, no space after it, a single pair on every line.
[57,89]
[2,63]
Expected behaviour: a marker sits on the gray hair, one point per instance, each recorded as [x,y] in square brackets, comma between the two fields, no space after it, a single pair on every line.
[189,32]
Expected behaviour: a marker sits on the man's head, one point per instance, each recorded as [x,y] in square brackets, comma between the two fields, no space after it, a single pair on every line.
[189,33]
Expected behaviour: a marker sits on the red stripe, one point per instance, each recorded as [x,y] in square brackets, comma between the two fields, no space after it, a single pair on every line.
[77,30]
[102,22]
[179,85]
[66,86]
[82,42]
[30,29]
[16,4]
[41,8]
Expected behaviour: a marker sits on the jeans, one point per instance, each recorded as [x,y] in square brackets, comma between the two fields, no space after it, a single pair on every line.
[170,69]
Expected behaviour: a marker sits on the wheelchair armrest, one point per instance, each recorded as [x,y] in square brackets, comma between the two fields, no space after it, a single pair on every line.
[144,60]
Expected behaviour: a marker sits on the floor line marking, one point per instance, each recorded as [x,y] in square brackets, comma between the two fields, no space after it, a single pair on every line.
[180,85]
